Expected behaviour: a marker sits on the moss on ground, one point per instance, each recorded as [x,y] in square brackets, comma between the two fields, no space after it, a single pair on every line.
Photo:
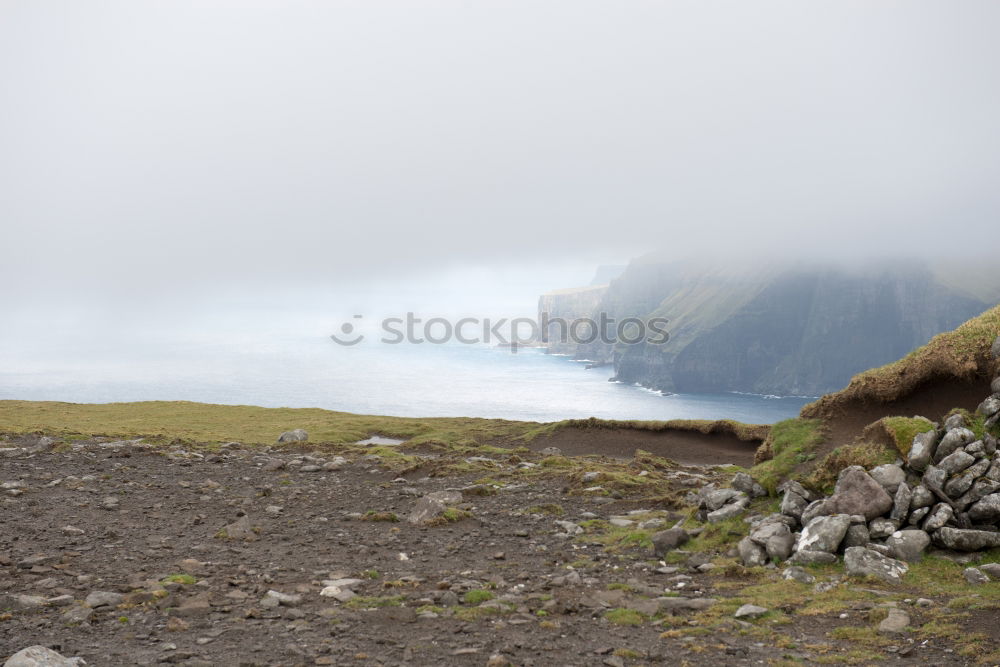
[902,430]
[790,443]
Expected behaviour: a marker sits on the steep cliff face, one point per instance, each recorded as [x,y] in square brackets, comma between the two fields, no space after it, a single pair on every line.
[788,330]
[568,305]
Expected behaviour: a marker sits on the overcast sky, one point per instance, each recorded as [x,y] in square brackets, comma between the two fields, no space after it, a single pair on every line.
[172,147]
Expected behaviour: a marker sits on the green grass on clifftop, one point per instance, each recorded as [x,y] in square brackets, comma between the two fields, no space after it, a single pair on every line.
[207,423]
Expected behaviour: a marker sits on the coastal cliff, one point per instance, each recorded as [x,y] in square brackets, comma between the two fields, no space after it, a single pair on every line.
[775,329]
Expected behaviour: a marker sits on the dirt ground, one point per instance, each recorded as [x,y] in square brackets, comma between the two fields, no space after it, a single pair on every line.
[687,447]
[502,584]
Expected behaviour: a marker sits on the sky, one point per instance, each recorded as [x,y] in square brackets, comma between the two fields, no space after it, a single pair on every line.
[162,153]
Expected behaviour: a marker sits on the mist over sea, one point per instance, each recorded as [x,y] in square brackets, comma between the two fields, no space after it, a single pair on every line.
[279,368]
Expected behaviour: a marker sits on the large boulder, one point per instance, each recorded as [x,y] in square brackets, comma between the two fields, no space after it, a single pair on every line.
[921,497]
[857,493]
[793,504]
[889,475]
[881,528]
[745,483]
[939,517]
[956,462]
[959,484]
[986,510]
[775,537]
[961,539]
[857,536]
[954,421]
[433,505]
[730,510]
[995,349]
[980,489]
[751,553]
[989,407]
[908,545]
[953,440]
[824,533]
[717,498]
[863,562]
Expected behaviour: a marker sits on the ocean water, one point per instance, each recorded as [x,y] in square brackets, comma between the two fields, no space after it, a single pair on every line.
[309,370]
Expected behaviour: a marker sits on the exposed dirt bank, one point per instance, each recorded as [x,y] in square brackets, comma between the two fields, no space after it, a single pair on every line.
[688,447]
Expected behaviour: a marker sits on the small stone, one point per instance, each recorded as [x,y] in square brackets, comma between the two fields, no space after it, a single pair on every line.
[750,611]
[798,574]
[953,441]
[240,530]
[940,515]
[807,557]
[896,622]
[881,528]
[98,599]
[863,562]
[729,511]
[975,576]
[921,497]
[175,624]
[908,545]
[297,435]
[748,485]
[922,450]
[751,553]
[40,656]
[283,599]
[889,475]
[571,528]
[824,533]
[667,540]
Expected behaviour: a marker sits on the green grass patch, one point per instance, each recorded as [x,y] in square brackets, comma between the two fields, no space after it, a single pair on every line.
[622,616]
[375,602]
[477,596]
[372,515]
[904,429]
[791,442]
[551,509]
[185,579]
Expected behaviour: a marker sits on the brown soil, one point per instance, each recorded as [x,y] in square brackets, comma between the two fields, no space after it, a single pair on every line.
[847,418]
[688,447]
[173,505]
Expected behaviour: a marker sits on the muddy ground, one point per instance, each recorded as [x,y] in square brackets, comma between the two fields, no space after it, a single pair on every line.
[126,554]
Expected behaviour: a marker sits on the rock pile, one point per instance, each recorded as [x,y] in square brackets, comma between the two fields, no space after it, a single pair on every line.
[946,493]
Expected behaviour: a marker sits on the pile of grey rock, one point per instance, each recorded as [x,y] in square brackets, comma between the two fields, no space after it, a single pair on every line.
[947,493]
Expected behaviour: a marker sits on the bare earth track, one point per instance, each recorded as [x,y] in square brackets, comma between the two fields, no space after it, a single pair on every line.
[149,524]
